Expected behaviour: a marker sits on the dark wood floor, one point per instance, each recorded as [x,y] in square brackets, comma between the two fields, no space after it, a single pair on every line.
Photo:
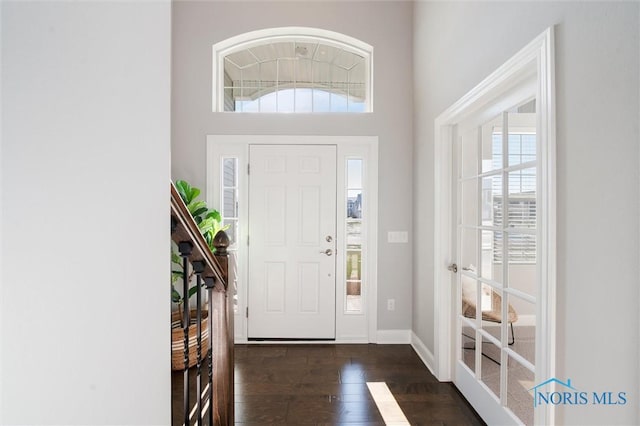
[326,385]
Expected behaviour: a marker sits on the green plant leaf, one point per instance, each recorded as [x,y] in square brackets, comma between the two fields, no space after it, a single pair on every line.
[214,214]
[198,212]
[193,290]
[175,276]
[175,296]
[187,192]
[206,225]
[194,193]
[196,205]
[209,239]
[197,208]
[183,189]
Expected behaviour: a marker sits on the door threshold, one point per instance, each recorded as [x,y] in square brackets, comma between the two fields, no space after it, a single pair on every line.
[287,340]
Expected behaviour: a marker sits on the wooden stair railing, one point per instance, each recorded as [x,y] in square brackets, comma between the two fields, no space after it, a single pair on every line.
[213,403]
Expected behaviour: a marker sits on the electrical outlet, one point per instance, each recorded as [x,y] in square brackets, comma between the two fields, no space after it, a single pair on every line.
[391,304]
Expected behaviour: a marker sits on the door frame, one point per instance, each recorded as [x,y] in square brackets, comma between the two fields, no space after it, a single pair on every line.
[350,328]
[496,93]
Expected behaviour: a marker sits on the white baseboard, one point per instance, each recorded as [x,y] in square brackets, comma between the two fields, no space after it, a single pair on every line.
[351,340]
[338,341]
[394,337]
[423,352]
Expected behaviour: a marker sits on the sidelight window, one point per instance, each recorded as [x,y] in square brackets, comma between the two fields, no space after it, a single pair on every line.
[229,203]
[354,241]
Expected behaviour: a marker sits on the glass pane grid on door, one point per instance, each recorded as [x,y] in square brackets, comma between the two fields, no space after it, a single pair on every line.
[519,379]
[496,247]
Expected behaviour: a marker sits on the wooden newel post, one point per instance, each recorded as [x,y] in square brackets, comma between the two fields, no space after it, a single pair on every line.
[221,243]
[224,354]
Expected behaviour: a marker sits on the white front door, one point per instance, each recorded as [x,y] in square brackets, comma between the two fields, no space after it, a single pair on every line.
[292,234]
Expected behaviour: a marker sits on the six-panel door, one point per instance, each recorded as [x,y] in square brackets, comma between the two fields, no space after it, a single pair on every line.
[292,230]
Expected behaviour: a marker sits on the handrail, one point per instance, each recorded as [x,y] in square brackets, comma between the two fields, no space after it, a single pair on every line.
[214,402]
[184,228]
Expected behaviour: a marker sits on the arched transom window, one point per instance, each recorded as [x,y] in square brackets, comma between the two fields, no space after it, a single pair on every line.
[292,70]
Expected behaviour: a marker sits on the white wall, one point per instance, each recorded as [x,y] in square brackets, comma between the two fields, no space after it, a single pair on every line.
[456,45]
[1,214]
[384,25]
[85,218]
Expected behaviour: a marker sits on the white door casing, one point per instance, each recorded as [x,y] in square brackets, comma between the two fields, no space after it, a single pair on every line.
[350,327]
[292,191]
[529,72]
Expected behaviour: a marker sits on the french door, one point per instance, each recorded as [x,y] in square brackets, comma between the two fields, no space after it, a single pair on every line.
[292,228]
[496,228]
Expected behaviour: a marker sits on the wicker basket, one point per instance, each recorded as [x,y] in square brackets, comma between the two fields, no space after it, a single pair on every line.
[177,340]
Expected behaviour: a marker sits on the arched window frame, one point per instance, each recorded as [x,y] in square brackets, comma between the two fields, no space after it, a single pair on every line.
[255,38]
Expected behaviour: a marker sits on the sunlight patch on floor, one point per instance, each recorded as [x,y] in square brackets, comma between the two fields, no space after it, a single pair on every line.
[387,404]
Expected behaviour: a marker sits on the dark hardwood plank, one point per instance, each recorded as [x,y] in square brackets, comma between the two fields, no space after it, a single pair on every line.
[326,385]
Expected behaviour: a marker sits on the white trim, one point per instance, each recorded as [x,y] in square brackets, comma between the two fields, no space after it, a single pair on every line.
[423,352]
[2,287]
[215,152]
[546,327]
[443,246]
[535,60]
[371,178]
[349,328]
[252,38]
[482,400]
[394,337]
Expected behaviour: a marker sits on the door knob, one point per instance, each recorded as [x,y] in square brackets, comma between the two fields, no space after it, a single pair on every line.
[453,268]
[328,252]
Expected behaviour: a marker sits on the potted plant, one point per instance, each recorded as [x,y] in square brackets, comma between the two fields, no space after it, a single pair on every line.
[209,222]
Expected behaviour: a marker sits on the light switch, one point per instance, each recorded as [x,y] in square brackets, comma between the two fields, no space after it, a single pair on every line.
[398,237]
